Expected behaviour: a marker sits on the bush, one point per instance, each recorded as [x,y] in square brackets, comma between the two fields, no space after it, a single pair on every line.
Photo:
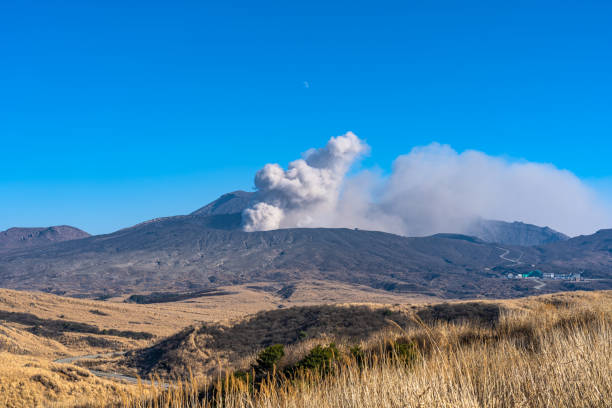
[319,358]
[268,359]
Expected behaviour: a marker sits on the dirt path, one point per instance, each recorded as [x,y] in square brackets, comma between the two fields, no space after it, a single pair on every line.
[516,261]
[70,360]
[104,374]
[540,284]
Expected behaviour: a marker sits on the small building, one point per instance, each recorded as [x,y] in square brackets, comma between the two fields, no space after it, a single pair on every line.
[548,275]
[533,274]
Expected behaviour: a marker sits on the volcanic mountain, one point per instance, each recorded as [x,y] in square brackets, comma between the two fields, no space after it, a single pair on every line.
[513,233]
[192,252]
[493,231]
[19,238]
[208,249]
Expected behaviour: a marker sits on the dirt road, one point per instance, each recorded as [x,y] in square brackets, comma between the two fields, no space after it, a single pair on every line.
[104,374]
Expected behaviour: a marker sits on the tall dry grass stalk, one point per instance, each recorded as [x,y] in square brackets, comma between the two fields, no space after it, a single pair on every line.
[545,357]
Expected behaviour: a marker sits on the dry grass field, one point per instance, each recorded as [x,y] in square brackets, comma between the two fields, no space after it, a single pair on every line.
[550,351]
[159,319]
[37,328]
[30,382]
[546,351]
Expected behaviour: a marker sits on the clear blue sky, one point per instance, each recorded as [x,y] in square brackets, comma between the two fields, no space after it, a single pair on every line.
[113,112]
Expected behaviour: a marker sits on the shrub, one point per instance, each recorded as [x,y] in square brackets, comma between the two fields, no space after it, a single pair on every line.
[319,358]
[268,359]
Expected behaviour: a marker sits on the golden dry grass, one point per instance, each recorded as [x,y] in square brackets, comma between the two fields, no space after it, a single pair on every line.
[551,351]
[547,351]
[161,319]
[18,341]
[24,354]
[29,382]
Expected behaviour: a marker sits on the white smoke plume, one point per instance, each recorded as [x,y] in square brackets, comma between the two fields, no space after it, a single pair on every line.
[309,187]
[431,189]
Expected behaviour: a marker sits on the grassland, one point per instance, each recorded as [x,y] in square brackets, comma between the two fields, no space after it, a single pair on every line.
[547,351]
[551,351]
[37,328]
[34,323]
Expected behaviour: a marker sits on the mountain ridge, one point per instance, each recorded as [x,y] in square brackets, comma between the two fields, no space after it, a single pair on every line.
[30,237]
[192,252]
[199,251]
[492,231]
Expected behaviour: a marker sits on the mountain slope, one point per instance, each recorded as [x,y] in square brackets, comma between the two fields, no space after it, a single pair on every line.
[234,202]
[515,233]
[500,232]
[19,238]
[589,254]
[187,252]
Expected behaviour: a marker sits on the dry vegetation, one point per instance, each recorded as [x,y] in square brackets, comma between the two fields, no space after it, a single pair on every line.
[552,351]
[547,351]
[163,319]
[30,382]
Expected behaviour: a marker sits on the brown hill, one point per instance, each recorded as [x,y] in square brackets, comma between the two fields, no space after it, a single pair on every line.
[204,349]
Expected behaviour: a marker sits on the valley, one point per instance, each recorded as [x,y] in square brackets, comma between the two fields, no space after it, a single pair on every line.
[127,316]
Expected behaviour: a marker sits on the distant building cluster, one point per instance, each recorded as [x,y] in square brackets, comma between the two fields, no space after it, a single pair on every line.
[546,275]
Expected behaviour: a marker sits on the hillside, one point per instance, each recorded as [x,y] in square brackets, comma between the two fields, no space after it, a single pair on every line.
[589,254]
[23,238]
[195,252]
[515,343]
[202,349]
[514,233]
[44,324]
[230,203]
[181,253]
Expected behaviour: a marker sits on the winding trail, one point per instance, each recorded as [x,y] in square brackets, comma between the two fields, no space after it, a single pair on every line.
[104,374]
[516,261]
[540,284]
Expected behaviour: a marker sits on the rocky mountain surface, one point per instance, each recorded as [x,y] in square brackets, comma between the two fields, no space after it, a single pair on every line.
[194,252]
[513,233]
[209,249]
[230,203]
[20,238]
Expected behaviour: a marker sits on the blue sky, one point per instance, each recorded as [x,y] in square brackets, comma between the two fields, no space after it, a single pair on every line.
[112,113]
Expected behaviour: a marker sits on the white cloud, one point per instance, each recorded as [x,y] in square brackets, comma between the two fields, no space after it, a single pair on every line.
[431,189]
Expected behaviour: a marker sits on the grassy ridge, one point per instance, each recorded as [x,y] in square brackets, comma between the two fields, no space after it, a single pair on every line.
[553,353]
[547,351]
